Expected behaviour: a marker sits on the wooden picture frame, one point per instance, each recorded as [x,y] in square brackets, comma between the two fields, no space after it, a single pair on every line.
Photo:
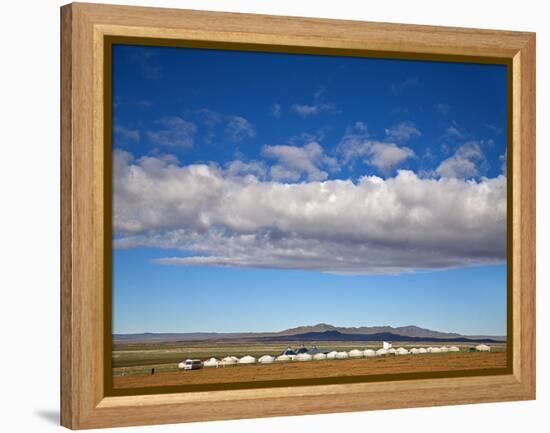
[85,28]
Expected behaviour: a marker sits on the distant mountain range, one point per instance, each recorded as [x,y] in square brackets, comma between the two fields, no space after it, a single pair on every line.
[319,332]
[382,336]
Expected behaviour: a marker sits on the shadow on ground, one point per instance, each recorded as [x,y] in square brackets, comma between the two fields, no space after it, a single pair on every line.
[50,415]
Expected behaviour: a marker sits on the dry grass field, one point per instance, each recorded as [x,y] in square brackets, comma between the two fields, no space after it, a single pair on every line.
[132,363]
[319,369]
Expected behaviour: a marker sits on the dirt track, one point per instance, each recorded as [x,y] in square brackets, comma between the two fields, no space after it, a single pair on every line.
[319,369]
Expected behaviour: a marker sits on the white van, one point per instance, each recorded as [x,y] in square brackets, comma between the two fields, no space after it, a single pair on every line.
[190,364]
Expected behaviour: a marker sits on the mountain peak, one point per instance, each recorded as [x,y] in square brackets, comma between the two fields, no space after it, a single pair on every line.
[323,326]
[319,327]
[409,330]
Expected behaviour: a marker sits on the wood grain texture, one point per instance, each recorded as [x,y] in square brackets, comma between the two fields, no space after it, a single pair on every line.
[84,27]
[524,215]
[307,32]
[67,394]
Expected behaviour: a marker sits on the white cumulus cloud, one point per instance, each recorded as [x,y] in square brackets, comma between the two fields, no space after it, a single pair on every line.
[385,156]
[358,144]
[402,131]
[125,135]
[464,163]
[222,217]
[215,124]
[173,131]
[295,161]
[238,128]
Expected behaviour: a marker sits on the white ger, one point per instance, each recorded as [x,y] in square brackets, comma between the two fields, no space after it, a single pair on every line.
[342,355]
[212,362]
[266,359]
[304,357]
[247,360]
[355,353]
[483,348]
[229,360]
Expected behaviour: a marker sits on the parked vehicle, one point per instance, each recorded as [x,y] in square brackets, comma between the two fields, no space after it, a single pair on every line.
[190,364]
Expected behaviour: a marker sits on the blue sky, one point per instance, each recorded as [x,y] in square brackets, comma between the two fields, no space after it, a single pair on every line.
[261,191]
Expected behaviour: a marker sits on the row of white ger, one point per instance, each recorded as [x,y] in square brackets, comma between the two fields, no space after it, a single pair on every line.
[355,353]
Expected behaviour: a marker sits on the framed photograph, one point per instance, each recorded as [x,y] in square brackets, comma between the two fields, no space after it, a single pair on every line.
[267,216]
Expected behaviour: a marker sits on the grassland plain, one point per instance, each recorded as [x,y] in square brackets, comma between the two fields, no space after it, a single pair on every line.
[133,362]
[318,369]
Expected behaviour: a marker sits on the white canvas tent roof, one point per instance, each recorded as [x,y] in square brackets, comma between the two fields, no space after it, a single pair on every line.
[454,349]
[266,359]
[319,356]
[282,358]
[247,359]
[331,355]
[483,348]
[304,357]
[369,352]
[342,355]
[380,352]
[212,362]
[229,360]
[355,353]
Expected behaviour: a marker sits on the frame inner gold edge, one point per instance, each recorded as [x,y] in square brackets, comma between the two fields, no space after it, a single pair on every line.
[108,37]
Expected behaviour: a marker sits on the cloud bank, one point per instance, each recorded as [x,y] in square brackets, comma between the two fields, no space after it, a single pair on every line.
[231,216]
